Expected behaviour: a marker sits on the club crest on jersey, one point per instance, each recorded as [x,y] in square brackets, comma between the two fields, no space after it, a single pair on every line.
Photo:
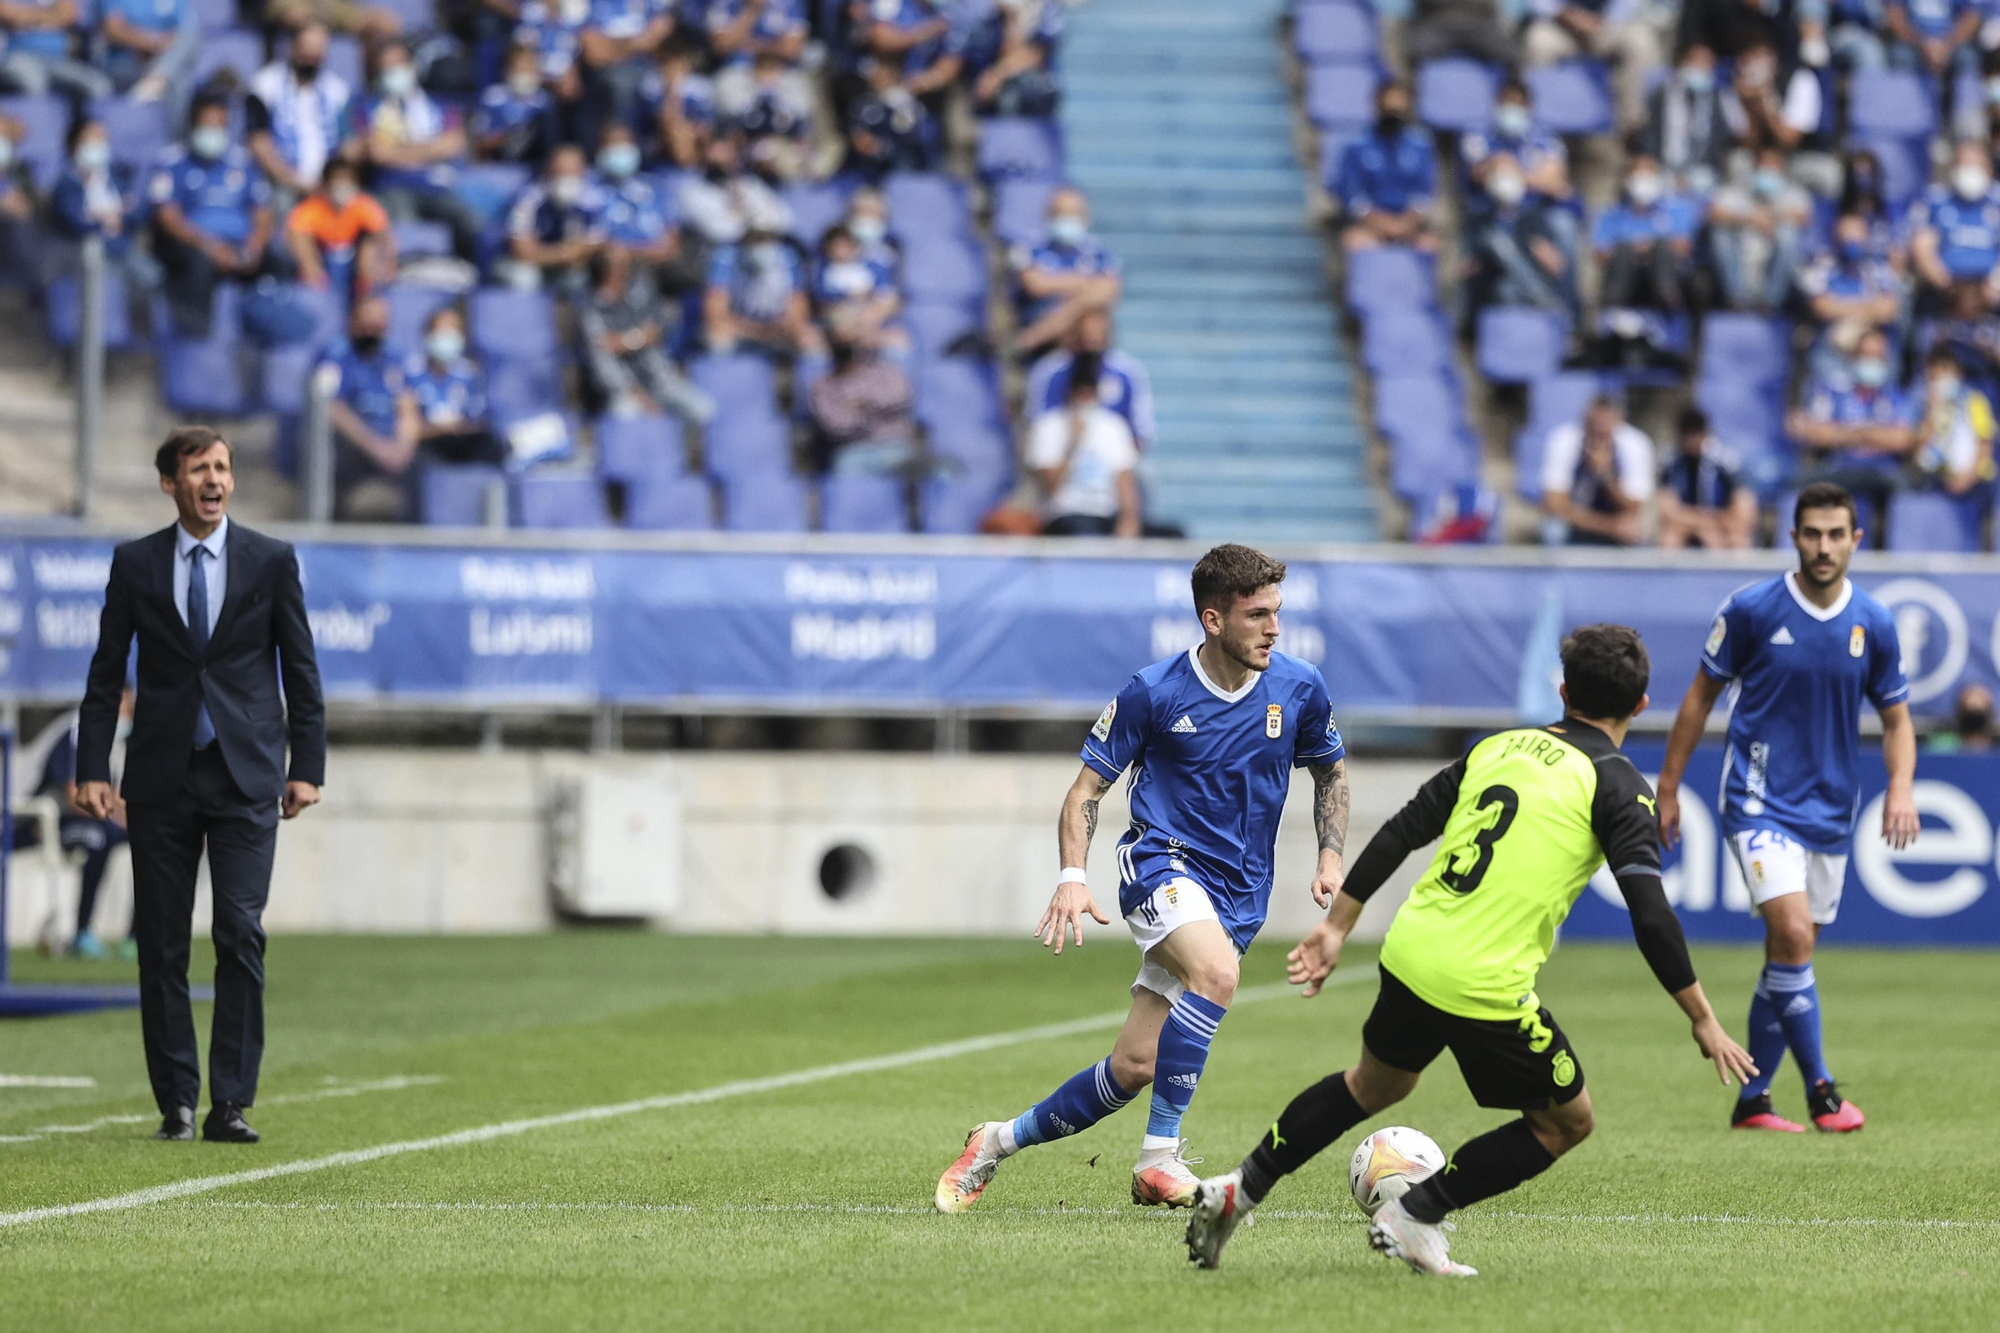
[1103,728]
[1274,720]
[1857,641]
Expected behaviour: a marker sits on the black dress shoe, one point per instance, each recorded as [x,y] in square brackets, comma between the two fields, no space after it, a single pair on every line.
[225,1124]
[177,1126]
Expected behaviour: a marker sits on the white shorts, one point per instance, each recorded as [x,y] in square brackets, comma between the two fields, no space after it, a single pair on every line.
[1774,865]
[1169,907]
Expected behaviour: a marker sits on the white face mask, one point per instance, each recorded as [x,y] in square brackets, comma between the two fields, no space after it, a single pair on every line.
[868,229]
[1971,181]
[574,12]
[618,160]
[445,345]
[1944,388]
[764,254]
[524,83]
[1643,189]
[93,155]
[1068,229]
[1507,187]
[209,141]
[399,80]
[566,190]
[1512,119]
[340,196]
[849,277]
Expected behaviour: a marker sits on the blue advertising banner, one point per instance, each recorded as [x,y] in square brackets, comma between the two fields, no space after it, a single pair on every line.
[1944,889]
[1401,635]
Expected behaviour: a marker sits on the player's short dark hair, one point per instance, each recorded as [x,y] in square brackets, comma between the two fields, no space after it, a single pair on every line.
[1692,421]
[186,442]
[1231,571]
[1085,369]
[1606,670]
[1825,495]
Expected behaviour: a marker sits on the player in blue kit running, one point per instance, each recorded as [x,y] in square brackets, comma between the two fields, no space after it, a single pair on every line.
[1211,737]
[1804,650]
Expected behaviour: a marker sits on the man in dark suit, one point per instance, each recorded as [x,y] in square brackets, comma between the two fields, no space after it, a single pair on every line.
[220,616]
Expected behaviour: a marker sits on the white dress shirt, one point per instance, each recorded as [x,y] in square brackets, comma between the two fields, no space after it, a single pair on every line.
[1104,453]
[215,567]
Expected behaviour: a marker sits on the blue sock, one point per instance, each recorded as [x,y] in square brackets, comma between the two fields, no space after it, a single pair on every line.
[1767,1039]
[1085,1099]
[1177,1066]
[1796,998]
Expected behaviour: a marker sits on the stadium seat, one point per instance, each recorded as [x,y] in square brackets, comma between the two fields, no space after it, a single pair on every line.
[559,500]
[1333,143]
[410,305]
[1440,455]
[976,447]
[1389,279]
[203,376]
[959,390]
[488,187]
[456,494]
[632,449]
[865,504]
[65,301]
[1558,400]
[747,443]
[1573,97]
[45,126]
[415,237]
[1750,348]
[239,50]
[418,16]
[936,325]
[518,388]
[670,504]
[1407,403]
[923,206]
[815,206]
[1890,103]
[1328,32]
[957,504]
[1341,95]
[513,325]
[214,16]
[764,503]
[1021,209]
[1405,343]
[1019,147]
[1933,521]
[1456,94]
[137,130]
[738,381]
[282,371]
[944,269]
[1520,344]
[1906,166]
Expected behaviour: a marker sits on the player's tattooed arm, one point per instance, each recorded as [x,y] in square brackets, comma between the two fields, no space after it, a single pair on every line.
[1330,804]
[1077,828]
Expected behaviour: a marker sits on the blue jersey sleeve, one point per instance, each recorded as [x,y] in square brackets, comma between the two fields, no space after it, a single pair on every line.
[1316,743]
[1729,644]
[1118,740]
[1886,683]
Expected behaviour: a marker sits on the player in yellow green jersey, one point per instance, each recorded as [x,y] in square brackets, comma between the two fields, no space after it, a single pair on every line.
[1523,820]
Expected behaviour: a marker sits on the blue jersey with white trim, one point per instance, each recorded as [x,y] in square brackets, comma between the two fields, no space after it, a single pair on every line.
[1210,772]
[1795,734]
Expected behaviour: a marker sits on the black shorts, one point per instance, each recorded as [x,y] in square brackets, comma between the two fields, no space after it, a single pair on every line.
[1524,1064]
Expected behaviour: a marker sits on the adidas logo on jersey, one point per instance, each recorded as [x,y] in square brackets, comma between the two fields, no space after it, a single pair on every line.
[1784,634]
[1184,727]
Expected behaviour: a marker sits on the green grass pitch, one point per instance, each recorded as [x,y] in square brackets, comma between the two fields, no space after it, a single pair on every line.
[807,1206]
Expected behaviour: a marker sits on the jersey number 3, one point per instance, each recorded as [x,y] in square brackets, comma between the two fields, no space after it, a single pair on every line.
[1468,879]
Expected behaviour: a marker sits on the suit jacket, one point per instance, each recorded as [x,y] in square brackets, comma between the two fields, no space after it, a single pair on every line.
[260,635]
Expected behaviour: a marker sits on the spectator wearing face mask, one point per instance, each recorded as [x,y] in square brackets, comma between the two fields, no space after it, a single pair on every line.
[454,422]
[867,221]
[1955,438]
[515,119]
[1568,29]
[1971,724]
[1685,131]
[1643,243]
[297,114]
[1538,155]
[777,124]
[35,54]
[1859,427]
[553,30]
[618,45]
[1861,194]
[150,46]
[625,330]
[212,216]
[1704,500]
[340,238]
[888,126]
[860,409]
[1596,477]
[1955,228]
[1937,38]
[739,31]
[860,290]
[679,102]
[635,213]
[1386,180]
[97,197]
[1010,58]
[1757,235]
[1068,272]
[1122,382]
[414,149]
[1970,331]
[1850,290]
[1731,27]
[376,426]
[556,225]
[756,298]
[719,205]
[1766,106]
[1515,256]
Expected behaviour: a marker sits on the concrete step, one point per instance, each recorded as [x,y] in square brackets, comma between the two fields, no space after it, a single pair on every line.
[1176,251]
[1306,284]
[1303,318]
[1196,217]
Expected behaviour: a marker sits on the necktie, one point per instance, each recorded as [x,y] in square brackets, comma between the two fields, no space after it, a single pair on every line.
[197,601]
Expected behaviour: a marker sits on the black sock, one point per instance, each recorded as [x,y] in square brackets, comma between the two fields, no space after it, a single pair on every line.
[1488,1165]
[1316,1117]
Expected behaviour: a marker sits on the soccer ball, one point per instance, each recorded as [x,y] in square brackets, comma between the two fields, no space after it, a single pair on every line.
[1388,1162]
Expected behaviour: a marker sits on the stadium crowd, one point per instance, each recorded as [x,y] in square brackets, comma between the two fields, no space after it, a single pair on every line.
[1795,216]
[710,244]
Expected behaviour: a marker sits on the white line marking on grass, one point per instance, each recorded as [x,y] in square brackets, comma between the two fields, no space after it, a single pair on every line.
[336,1088]
[873,1064]
[45,1081]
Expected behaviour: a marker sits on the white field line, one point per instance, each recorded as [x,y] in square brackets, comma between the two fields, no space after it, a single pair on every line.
[949,1050]
[900,1210]
[396,1083]
[45,1081]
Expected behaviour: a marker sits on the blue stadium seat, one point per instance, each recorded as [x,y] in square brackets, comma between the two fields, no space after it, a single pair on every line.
[137,130]
[1326,32]
[1389,279]
[45,124]
[865,504]
[764,503]
[514,325]
[559,500]
[1519,344]
[454,494]
[1890,103]
[1573,97]
[959,390]
[65,301]
[1749,418]
[1019,147]
[518,388]
[1341,95]
[935,325]
[1748,348]
[239,50]
[1021,209]
[1933,521]
[738,381]
[215,16]
[957,504]
[1556,401]
[410,305]
[282,371]
[1906,166]
[488,187]
[1456,94]
[418,16]
[924,205]
[415,237]
[204,376]
[632,449]
[1406,404]
[1405,343]
[1441,455]
[815,207]
[745,444]
[944,269]
[670,504]
[1332,143]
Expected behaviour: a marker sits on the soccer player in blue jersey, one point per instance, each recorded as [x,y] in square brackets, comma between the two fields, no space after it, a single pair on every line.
[1804,650]
[1211,737]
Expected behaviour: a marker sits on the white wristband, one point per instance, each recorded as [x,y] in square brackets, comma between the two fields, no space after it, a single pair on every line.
[1071,875]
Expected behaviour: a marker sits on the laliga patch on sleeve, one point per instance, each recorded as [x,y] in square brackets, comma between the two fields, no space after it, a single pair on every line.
[1715,636]
[1103,728]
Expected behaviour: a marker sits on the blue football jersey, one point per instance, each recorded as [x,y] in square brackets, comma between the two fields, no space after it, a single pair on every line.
[1210,771]
[1795,735]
